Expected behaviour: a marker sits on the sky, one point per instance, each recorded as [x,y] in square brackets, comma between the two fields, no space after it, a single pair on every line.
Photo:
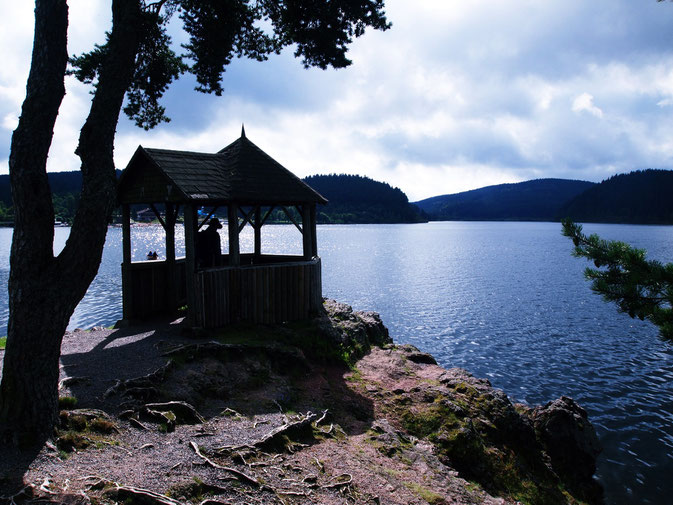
[457,95]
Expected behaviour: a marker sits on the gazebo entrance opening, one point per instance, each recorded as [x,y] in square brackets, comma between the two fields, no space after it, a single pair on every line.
[244,184]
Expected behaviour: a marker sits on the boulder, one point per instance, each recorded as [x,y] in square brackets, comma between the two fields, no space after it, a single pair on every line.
[564,430]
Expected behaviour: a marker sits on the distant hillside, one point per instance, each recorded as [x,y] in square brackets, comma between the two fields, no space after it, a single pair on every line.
[357,199]
[643,197]
[352,199]
[65,187]
[537,200]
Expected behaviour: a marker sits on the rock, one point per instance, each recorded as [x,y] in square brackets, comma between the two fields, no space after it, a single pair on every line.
[357,331]
[413,354]
[564,430]
[376,330]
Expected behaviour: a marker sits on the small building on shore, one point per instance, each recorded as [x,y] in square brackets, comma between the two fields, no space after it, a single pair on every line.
[245,184]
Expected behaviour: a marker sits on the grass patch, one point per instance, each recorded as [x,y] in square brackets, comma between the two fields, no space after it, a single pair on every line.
[67,402]
[425,494]
[3,342]
[76,432]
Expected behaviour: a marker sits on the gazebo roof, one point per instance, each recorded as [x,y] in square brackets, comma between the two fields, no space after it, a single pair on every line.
[241,173]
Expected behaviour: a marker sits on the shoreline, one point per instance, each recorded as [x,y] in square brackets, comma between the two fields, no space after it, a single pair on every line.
[402,428]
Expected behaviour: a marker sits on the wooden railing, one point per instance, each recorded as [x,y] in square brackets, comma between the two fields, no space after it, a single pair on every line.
[148,290]
[264,292]
[263,289]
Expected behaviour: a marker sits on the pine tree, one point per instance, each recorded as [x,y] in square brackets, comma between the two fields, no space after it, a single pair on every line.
[640,287]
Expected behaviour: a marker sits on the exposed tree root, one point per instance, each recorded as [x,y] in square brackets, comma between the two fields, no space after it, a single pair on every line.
[139,384]
[239,475]
[339,484]
[276,440]
[184,412]
[137,495]
[70,381]
[26,492]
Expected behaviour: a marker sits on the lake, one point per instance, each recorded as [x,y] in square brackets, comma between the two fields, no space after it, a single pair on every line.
[506,301]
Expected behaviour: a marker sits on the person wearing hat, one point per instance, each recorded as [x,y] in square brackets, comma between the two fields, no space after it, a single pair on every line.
[208,248]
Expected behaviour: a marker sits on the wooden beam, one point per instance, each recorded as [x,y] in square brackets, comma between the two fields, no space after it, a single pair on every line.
[258,230]
[169,227]
[291,218]
[247,218]
[171,275]
[127,289]
[234,251]
[314,231]
[190,265]
[307,229]
[266,216]
[207,218]
[126,233]
[156,213]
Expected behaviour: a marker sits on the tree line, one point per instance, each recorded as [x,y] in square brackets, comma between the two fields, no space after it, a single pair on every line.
[359,199]
[352,199]
[639,197]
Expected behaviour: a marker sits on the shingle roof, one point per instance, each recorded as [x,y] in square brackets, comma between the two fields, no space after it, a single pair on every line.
[241,172]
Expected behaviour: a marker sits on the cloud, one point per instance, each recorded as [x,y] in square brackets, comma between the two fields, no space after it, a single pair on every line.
[585,103]
[453,97]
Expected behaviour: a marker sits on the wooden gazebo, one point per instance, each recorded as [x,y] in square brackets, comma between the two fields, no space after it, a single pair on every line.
[253,287]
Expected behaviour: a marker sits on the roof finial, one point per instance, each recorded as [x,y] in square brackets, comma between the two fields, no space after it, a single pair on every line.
[242,131]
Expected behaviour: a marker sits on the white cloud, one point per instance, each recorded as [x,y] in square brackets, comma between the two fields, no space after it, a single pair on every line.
[455,96]
[585,103]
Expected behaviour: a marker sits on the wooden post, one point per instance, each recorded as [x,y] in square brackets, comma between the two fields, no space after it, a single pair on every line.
[171,277]
[190,264]
[314,234]
[234,252]
[307,229]
[258,232]
[127,289]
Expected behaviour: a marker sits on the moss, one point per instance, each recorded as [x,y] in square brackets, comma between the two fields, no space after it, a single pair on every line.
[355,377]
[194,491]
[425,494]
[473,444]
[72,440]
[427,420]
[3,342]
[76,423]
[67,402]
[395,474]
[100,425]
[76,432]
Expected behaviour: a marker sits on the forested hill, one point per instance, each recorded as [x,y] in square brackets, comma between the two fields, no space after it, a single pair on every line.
[352,199]
[536,200]
[643,197]
[65,187]
[357,199]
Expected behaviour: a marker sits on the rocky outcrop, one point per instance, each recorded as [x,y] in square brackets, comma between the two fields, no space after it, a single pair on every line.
[567,436]
[541,456]
[352,331]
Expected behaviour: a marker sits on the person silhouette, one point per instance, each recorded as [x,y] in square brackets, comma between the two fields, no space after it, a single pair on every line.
[208,247]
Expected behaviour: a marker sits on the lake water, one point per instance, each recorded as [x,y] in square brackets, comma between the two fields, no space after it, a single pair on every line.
[506,301]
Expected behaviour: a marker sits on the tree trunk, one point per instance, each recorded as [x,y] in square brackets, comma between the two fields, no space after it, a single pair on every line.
[43,290]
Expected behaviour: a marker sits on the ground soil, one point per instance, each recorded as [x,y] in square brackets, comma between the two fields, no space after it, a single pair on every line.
[349,453]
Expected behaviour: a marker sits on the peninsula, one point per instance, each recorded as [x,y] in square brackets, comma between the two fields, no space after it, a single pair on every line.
[326,411]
